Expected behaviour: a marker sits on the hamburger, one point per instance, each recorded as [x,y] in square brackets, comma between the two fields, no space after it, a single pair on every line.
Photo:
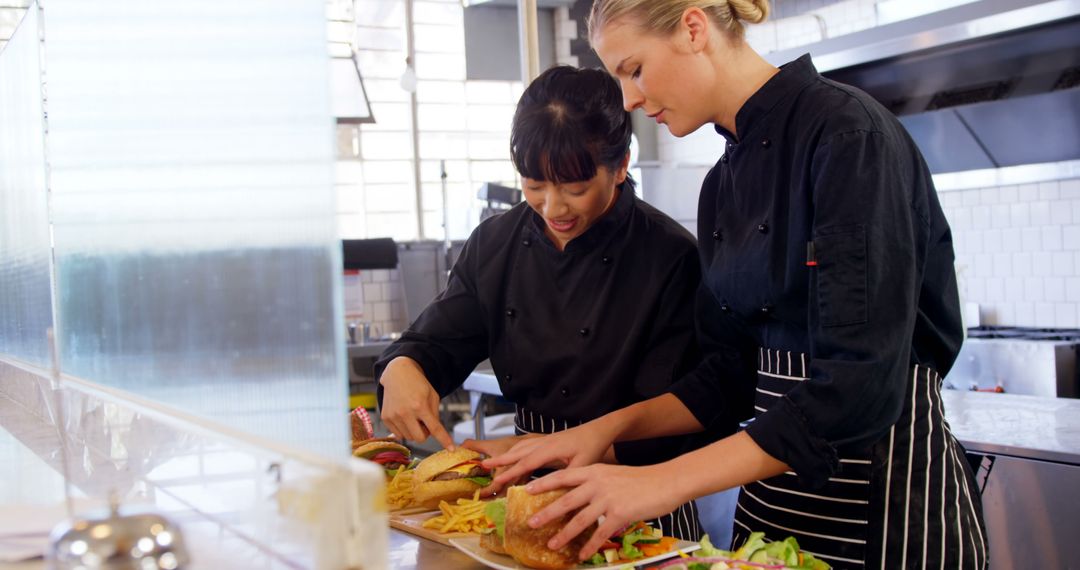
[391,456]
[525,544]
[448,476]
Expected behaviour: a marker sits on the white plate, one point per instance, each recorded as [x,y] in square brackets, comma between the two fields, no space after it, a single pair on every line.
[471,545]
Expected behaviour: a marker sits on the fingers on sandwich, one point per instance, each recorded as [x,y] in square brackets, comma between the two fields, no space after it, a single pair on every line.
[529,545]
[448,476]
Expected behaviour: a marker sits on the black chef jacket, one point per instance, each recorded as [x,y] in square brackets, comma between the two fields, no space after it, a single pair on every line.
[571,334]
[820,232]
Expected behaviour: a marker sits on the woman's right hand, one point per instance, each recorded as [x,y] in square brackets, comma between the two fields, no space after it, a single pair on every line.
[575,447]
[410,406]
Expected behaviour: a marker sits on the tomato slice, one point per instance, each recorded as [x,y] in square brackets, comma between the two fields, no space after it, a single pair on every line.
[390,457]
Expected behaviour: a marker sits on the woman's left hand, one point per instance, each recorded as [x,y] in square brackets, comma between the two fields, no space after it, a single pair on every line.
[620,494]
[495,448]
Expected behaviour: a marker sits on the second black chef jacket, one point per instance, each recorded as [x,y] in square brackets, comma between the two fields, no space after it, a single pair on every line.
[572,334]
[821,233]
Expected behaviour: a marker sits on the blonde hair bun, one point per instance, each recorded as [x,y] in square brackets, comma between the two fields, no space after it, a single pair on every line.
[663,16]
[750,11]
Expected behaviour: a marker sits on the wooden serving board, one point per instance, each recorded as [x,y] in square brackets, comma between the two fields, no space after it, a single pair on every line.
[410,511]
[411,523]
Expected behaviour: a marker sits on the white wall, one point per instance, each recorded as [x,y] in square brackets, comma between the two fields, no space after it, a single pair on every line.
[1018,252]
[376,296]
[789,8]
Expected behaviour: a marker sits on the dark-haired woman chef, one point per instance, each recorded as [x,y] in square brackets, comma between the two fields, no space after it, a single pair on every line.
[582,296]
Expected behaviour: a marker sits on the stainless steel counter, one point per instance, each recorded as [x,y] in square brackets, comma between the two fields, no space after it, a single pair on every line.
[1028,453]
[1028,427]
[408,552]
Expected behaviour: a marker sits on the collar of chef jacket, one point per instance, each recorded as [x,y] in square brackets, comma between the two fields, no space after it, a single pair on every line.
[792,77]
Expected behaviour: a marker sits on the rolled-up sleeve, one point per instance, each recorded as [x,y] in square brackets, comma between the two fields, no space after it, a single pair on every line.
[869,245]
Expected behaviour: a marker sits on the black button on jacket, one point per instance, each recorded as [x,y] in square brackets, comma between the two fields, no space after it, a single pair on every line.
[879,294]
[606,323]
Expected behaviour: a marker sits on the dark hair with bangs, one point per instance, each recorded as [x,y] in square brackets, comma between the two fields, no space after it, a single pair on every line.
[568,123]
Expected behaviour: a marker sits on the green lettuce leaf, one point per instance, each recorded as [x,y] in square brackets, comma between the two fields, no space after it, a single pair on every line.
[495,511]
[596,560]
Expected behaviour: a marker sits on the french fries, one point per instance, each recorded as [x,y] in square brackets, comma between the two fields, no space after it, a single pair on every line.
[467,515]
[399,489]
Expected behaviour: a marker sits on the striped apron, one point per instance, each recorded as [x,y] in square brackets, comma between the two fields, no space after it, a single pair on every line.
[682,523]
[909,501]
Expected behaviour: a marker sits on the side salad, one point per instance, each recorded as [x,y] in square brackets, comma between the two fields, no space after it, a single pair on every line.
[634,542]
[755,554]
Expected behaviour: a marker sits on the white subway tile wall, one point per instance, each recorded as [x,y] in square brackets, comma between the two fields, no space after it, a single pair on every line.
[1018,251]
[381,300]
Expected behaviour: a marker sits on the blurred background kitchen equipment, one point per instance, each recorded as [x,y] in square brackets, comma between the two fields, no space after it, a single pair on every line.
[1018,360]
[499,198]
[377,253]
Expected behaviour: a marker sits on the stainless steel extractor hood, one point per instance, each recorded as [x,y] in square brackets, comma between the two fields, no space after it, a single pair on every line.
[988,84]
